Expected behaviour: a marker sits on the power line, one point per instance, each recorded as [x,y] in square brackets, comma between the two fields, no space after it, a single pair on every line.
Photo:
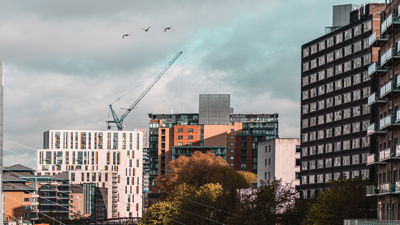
[38,211]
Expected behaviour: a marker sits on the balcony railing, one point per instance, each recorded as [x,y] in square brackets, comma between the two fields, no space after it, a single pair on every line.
[385,89]
[385,122]
[371,190]
[386,56]
[373,98]
[389,21]
[373,68]
[371,159]
[375,41]
[384,155]
[383,189]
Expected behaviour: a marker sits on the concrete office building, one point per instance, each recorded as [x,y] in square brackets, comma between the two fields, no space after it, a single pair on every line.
[335,115]
[214,129]
[109,159]
[278,158]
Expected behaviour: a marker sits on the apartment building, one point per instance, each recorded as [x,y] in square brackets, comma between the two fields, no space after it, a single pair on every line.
[278,158]
[108,159]
[385,114]
[335,86]
[28,197]
[214,129]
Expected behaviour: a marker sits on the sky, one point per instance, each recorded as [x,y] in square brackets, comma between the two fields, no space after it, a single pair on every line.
[65,61]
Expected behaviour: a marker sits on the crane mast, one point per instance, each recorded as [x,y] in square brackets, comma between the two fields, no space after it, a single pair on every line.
[118,121]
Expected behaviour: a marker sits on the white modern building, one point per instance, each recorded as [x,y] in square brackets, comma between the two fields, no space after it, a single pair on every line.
[278,159]
[110,159]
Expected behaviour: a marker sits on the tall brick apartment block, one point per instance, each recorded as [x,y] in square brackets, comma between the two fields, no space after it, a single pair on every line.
[335,86]
[385,114]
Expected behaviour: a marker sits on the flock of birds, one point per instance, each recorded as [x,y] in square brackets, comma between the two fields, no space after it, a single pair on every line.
[146,30]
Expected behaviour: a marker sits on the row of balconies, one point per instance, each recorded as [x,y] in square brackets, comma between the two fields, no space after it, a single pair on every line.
[383,189]
[384,155]
[388,22]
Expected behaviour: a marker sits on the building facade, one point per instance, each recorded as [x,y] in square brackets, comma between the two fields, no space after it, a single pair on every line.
[108,159]
[278,158]
[335,86]
[214,129]
[385,114]
[28,197]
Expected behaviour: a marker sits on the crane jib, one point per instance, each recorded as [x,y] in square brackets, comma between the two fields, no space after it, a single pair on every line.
[119,121]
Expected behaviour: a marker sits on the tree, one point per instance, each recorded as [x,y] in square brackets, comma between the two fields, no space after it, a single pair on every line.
[162,212]
[249,176]
[264,205]
[199,169]
[344,199]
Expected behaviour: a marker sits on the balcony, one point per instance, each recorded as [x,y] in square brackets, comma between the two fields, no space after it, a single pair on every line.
[388,22]
[372,99]
[375,41]
[372,159]
[385,155]
[371,190]
[385,122]
[372,130]
[389,56]
[383,189]
[375,69]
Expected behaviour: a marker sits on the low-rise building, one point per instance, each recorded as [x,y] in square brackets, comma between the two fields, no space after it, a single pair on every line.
[278,158]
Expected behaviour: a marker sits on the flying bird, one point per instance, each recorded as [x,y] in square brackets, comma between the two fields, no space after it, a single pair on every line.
[125,35]
[147,29]
[167,28]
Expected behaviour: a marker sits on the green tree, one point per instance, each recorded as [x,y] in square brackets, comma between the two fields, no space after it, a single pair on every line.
[264,205]
[344,199]
[163,212]
[249,176]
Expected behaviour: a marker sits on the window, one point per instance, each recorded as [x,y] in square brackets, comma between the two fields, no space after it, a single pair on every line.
[304,123]
[337,162]
[305,109]
[329,72]
[346,160]
[321,134]
[321,90]
[367,26]
[347,50]
[190,137]
[306,52]
[329,57]
[321,75]
[305,80]
[314,49]
[329,102]
[347,66]
[328,147]
[329,87]
[321,149]
[356,95]
[346,113]
[356,127]
[328,177]
[313,150]
[321,104]
[338,115]
[328,133]
[357,46]
[347,34]
[313,78]
[313,121]
[355,143]
[355,159]
[321,119]
[347,82]
[190,130]
[339,38]
[330,42]
[338,146]
[305,95]
[338,84]
[180,130]
[321,60]
[338,54]
[338,69]
[320,164]
[322,45]
[356,111]
[346,145]
[347,97]
[356,79]
[338,131]
[329,117]
[338,99]
[367,59]
[313,92]
[26,199]
[180,137]
[313,107]
[346,129]
[313,63]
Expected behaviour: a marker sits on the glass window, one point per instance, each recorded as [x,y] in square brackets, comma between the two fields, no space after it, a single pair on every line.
[322,45]
[321,134]
[357,63]
[329,102]
[346,145]
[347,34]
[338,161]
[313,92]
[339,38]
[313,136]
[364,141]
[305,95]
[357,46]
[321,149]
[329,133]
[321,104]
[347,97]
[321,60]
[346,113]
[329,87]
[338,53]
[305,66]
[367,26]
[347,50]
[338,146]
[321,119]
[330,42]
[312,164]
[355,143]
[355,159]
[356,127]
[329,117]
[329,72]
[338,131]
[329,57]
[367,59]
[338,69]
[321,90]
[305,109]
[304,137]
[304,151]
[356,95]
[338,84]
[347,66]
[313,150]
[346,129]
[305,81]
[328,177]
[320,164]
[347,82]
[314,49]
[321,75]
[356,79]
[304,123]
[356,111]
[313,121]
[313,107]
[320,178]
[346,160]
[328,147]
[306,52]
[338,115]
[313,78]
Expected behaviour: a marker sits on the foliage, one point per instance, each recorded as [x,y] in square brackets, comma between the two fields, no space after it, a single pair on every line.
[249,176]
[266,204]
[199,169]
[344,199]
[162,212]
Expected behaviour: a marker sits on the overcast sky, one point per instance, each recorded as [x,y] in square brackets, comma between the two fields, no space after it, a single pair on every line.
[65,61]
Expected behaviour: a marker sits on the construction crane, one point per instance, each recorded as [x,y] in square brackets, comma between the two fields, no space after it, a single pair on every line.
[118,121]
